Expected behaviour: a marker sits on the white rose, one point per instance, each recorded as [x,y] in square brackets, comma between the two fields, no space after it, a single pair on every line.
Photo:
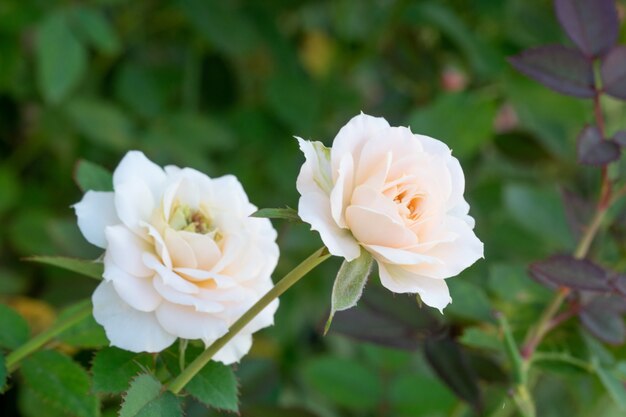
[396,194]
[183,258]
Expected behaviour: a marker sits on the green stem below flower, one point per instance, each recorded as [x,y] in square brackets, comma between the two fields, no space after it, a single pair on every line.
[281,286]
[83,310]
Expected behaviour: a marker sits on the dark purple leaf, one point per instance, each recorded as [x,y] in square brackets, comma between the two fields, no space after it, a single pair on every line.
[620,138]
[385,319]
[578,211]
[603,318]
[561,68]
[591,24]
[593,150]
[567,271]
[451,364]
[613,71]
[618,282]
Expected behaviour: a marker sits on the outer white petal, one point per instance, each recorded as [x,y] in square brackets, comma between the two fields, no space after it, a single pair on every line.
[455,255]
[235,349]
[314,209]
[95,212]
[342,191]
[399,256]
[126,327]
[134,203]
[137,292]
[135,166]
[231,197]
[353,136]
[187,323]
[315,174]
[126,250]
[433,292]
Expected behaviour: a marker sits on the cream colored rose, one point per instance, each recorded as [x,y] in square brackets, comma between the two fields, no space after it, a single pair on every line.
[183,258]
[396,194]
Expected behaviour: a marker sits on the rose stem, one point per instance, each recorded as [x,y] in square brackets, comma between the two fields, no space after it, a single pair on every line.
[281,286]
[13,359]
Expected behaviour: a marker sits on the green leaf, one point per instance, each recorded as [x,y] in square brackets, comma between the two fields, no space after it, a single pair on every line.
[90,269]
[611,382]
[479,337]
[96,30]
[114,368]
[61,58]
[101,122]
[30,404]
[344,382]
[465,133]
[349,284]
[405,402]
[540,211]
[90,176]
[3,372]
[145,398]
[469,301]
[87,333]
[215,386]
[278,213]
[57,379]
[14,329]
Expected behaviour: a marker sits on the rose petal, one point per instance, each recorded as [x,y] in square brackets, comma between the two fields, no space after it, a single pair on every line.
[399,256]
[341,192]
[193,300]
[234,350]
[135,166]
[169,277]
[372,228]
[433,292]
[126,327]
[137,292]
[95,212]
[315,174]
[181,253]
[127,249]
[187,323]
[353,135]
[314,209]
[205,250]
[454,256]
[134,203]
[366,196]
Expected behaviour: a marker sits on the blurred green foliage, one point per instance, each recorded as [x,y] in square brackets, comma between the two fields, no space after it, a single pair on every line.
[222,86]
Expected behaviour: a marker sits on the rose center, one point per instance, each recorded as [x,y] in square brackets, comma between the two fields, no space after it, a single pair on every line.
[410,205]
[191,220]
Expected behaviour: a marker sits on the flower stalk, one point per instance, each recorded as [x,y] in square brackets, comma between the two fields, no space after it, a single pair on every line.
[14,358]
[281,286]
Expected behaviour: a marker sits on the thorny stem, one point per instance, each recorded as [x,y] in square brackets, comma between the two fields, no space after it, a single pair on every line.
[281,286]
[549,318]
[14,358]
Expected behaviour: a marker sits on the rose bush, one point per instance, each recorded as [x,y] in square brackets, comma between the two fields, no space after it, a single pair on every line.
[183,258]
[396,194]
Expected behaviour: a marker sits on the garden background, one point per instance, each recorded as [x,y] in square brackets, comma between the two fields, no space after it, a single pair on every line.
[223,87]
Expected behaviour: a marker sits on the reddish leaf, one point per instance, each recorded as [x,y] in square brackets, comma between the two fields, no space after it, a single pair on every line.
[620,138]
[591,24]
[578,211]
[384,319]
[558,67]
[593,150]
[567,271]
[613,71]
[452,365]
[603,318]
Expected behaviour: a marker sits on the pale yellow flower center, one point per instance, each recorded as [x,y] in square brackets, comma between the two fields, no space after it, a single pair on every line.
[191,220]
